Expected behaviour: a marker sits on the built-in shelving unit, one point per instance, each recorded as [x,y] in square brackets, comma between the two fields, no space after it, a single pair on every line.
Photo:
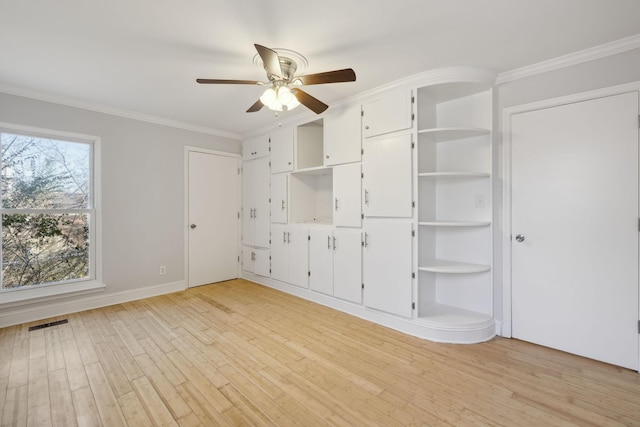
[454,214]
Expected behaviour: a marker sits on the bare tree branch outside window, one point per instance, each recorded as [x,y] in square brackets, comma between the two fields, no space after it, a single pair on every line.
[46,214]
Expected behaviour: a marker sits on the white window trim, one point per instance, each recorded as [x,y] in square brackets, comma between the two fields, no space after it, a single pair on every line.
[50,292]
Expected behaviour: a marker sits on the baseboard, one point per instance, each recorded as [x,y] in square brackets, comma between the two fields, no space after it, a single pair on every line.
[24,314]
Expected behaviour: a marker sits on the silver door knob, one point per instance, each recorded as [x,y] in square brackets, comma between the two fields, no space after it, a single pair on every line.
[193,226]
[519,237]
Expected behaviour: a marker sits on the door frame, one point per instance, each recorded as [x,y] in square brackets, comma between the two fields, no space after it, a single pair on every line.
[507,177]
[191,149]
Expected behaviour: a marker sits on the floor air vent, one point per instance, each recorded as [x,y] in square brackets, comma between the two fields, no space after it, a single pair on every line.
[46,325]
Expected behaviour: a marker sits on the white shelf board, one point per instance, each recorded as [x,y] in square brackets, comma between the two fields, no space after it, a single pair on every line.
[454,175]
[452,133]
[452,316]
[455,223]
[318,170]
[452,267]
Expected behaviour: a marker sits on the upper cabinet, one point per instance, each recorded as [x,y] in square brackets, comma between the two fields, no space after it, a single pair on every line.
[282,150]
[343,136]
[389,113]
[308,145]
[256,147]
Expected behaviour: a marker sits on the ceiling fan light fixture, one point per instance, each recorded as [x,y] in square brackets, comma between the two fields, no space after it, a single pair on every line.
[277,98]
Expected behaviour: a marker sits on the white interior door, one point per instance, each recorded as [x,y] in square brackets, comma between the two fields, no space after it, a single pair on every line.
[575,228]
[214,203]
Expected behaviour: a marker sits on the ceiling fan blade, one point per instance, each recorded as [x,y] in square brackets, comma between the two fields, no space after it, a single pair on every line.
[314,104]
[255,107]
[337,76]
[228,82]
[270,59]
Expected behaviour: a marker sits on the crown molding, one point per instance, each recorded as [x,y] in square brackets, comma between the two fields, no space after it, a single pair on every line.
[148,118]
[579,57]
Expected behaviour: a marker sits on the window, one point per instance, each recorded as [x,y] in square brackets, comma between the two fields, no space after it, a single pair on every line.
[48,209]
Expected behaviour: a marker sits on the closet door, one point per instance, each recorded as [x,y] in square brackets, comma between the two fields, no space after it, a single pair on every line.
[575,228]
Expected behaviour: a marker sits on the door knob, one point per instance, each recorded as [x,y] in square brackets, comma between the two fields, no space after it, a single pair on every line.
[193,226]
[519,237]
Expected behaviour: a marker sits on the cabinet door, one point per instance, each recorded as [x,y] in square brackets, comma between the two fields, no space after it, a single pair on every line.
[247,259]
[390,113]
[347,195]
[347,265]
[260,196]
[386,258]
[387,177]
[298,240]
[248,172]
[256,147]
[321,260]
[279,205]
[343,136]
[261,262]
[279,253]
[282,150]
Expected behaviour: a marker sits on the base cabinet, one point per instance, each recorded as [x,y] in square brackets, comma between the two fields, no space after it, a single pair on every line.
[386,260]
[256,261]
[290,255]
[335,263]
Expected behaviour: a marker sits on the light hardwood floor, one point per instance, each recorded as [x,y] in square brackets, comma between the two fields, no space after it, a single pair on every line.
[237,353]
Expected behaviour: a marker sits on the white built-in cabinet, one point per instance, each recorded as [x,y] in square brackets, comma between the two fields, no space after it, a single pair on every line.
[384,207]
[255,202]
[289,254]
[279,198]
[282,150]
[343,135]
[388,113]
[256,261]
[335,262]
[387,169]
[255,147]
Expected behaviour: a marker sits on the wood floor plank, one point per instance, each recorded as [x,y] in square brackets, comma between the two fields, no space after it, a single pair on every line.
[237,353]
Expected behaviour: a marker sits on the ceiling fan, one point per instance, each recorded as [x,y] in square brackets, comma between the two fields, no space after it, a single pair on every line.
[284,93]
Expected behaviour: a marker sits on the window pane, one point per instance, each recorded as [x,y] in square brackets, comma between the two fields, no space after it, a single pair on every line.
[44,248]
[41,173]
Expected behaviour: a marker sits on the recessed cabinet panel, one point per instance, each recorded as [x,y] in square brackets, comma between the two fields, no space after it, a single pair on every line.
[282,150]
[343,135]
[255,202]
[347,265]
[256,147]
[347,195]
[279,203]
[390,113]
[321,260]
[387,169]
[386,258]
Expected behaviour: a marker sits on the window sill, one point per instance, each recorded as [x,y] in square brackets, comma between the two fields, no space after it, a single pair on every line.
[18,297]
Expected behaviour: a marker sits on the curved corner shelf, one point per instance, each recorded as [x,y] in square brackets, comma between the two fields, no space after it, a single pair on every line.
[454,175]
[453,316]
[445,134]
[453,267]
[455,223]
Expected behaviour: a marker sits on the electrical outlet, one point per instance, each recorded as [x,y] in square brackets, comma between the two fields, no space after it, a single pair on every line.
[163,270]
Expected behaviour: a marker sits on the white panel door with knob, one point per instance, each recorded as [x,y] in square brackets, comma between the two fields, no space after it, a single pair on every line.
[213,217]
[575,228]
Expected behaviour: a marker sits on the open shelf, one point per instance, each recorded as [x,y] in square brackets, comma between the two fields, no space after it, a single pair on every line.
[454,175]
[446,134]
[455,223]
[452,316]
[452,267]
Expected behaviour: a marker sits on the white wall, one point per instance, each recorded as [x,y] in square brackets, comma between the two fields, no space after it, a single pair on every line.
[142,192]
[603,72]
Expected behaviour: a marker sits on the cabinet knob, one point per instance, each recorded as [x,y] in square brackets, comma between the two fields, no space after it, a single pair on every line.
[192,226]
[327,156]
[520,237]
[366,127]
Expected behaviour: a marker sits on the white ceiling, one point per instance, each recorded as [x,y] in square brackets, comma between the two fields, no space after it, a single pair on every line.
[144,55]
